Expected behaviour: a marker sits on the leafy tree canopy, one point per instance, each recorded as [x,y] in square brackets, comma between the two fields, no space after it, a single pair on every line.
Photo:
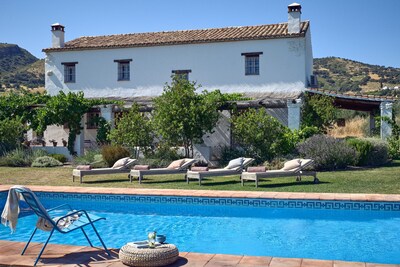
[133,130]
[182,116]
[261,135]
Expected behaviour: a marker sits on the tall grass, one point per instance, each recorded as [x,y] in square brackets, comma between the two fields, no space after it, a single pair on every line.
[355,127]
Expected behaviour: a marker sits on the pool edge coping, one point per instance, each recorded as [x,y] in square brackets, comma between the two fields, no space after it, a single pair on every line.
[227,194]
[215,193]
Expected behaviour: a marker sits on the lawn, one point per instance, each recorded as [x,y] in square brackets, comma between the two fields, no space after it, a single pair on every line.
[384,180]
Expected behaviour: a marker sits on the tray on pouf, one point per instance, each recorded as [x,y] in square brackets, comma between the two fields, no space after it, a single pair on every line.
[161,255]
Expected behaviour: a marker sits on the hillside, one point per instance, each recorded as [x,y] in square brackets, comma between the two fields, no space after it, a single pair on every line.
[19,68]
[344,75]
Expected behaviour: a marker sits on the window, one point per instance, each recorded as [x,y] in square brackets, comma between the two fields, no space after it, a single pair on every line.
[123,69]
[183,74]
[69,72]
[252,63]
[92,117]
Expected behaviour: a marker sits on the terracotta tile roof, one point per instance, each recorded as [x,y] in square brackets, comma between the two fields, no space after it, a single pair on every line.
[261,32]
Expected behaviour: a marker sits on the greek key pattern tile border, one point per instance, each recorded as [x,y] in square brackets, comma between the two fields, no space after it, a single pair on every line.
[242,202]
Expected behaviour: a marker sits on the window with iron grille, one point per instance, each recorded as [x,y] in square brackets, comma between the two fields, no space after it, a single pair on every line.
[69,72]
[252,63]
[124,72]
[92,119]
[182,74]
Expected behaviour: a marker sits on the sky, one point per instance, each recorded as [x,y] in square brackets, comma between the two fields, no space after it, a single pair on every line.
[363,30]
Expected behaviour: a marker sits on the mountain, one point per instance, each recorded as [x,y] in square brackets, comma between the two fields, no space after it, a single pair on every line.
[19,68]
[345,75]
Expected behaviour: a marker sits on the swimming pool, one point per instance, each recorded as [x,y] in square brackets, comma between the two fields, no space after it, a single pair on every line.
[340,230]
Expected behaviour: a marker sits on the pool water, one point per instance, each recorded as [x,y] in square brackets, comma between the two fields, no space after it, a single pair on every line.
[350,234]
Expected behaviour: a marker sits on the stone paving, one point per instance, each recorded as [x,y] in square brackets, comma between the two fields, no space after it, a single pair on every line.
[63,255]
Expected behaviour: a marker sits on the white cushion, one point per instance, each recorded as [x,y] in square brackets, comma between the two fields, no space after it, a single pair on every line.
[176,164]
[120,163]
[235,163]
[291,164]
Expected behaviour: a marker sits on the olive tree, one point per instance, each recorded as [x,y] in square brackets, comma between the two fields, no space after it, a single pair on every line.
[261,135]
[182,116]
[133,130]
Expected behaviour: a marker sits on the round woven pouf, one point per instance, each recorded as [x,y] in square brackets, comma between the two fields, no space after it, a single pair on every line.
[159,256]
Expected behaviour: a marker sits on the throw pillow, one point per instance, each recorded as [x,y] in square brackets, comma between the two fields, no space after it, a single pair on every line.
[199,169]
[141,167]
[83,167]
[256,169]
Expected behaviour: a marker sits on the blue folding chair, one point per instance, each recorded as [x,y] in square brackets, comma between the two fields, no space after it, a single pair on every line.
[83,220]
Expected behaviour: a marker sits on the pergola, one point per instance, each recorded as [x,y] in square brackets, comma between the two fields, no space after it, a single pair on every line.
[368,103]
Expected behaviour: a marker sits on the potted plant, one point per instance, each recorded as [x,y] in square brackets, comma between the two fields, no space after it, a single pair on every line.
[53,141]
[64,142]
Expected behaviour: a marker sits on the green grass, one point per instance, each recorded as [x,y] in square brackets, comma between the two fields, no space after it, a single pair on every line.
[383,180]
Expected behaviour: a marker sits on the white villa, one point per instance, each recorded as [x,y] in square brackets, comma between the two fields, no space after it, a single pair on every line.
[272,64]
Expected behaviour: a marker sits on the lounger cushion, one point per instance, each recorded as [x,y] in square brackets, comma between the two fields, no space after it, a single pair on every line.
[188,162]
[256,169]
[83,167]
[176,164]
[199,169]
[235,163]
[129,163]
[291,165]
[120,163]
[141,167]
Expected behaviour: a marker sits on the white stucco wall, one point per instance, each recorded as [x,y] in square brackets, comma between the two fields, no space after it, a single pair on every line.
[284,66]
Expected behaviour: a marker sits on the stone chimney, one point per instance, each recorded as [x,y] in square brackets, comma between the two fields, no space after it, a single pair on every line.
[57,31]
[294,18]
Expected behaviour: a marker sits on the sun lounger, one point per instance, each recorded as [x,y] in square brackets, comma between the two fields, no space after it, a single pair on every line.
[293,168]
[176,167]
[125,168]
[235,167]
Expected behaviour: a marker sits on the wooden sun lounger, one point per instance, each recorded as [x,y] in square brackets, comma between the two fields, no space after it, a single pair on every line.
[160,171]
[98,171]
[298,173]
[199,175]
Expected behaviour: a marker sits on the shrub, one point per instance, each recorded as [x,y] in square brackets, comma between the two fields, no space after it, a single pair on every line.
[21,157]
[11,133]
[46,161]
[394,147]
[154,163]
[229,153]
[363,148]
[379,153]
[165,152]
[327,152]
[60,157]
[261,135]
[113,153]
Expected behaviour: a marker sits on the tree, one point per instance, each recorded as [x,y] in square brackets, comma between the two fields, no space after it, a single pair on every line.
[318,111]
[133,130]
[261,135]
[11,134]
[182,116]
[64,109]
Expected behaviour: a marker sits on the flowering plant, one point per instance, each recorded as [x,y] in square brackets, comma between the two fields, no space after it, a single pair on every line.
[152,239]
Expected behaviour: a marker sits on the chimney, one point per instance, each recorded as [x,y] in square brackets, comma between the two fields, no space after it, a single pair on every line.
[294,18]
[57,31]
